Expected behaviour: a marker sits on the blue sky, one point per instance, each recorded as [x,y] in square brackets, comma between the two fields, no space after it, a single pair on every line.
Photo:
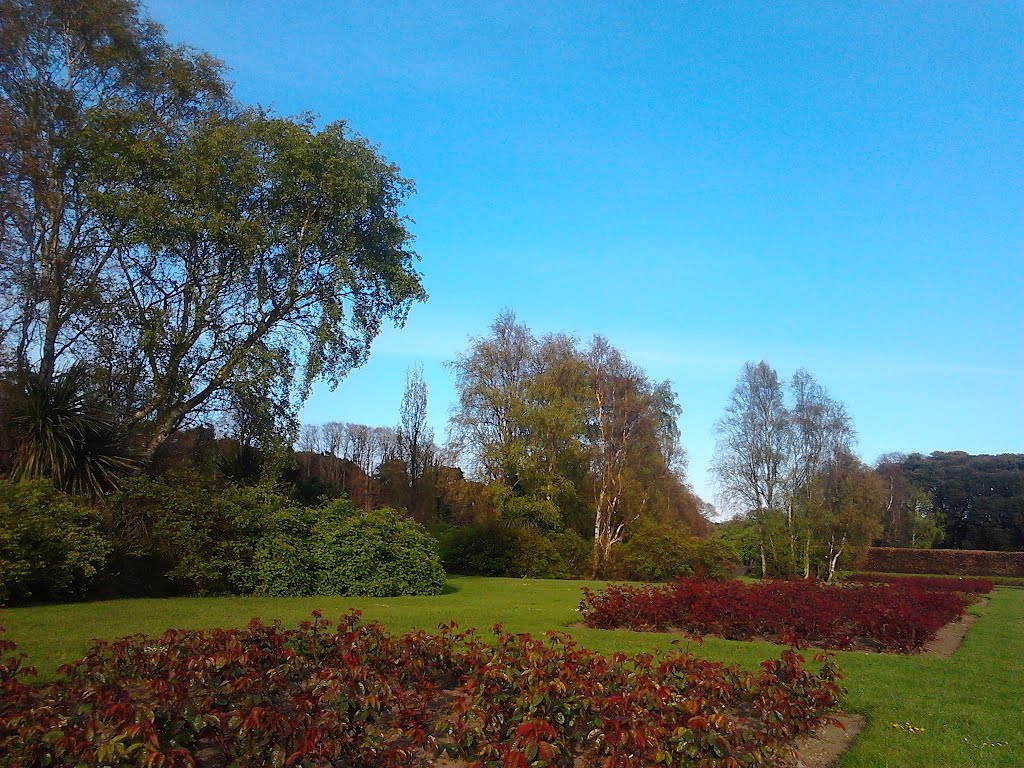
[820,185]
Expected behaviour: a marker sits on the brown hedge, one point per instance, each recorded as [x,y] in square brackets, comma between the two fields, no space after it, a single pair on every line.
[950,562]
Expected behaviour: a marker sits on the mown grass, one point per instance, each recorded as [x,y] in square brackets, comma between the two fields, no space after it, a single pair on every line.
[970,706]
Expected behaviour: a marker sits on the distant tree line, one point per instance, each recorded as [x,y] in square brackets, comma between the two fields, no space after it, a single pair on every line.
[978,500]
[784,457]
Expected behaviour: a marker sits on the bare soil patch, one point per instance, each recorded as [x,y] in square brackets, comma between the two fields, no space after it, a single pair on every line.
[948,639]
[823,748]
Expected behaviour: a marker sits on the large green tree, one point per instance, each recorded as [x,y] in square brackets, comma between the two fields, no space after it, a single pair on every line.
[271,252]
[979,498]
[571,433]
[203,259]
[842,505]
[78,78]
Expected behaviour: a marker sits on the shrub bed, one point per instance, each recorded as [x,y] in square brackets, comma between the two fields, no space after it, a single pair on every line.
[887,617]
[972,586]
[353,695]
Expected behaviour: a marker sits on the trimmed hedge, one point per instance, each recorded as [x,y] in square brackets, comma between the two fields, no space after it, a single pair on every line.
[947,562]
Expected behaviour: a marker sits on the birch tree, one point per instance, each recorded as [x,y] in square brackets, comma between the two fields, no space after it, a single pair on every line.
[844,505]
[579,432]
[753,437]
[629,418]
[820,434]
[191,252]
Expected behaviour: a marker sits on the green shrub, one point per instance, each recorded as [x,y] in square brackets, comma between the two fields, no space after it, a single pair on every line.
[283,563]
[51,548]
[254,540]
[283,566]
[480,550]
[663,552]
[378,553]
[716,559]
[209,541]
[537,557]
[576,552]
[500,549]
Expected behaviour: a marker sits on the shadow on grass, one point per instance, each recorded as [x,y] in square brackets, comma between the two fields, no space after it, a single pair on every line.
[449,589]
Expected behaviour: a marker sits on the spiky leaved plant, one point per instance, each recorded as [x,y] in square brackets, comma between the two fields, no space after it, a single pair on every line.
[60,430]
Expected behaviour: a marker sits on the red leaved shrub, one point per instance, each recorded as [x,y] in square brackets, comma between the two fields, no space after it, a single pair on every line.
[949,562]
[355,695]
[893,617]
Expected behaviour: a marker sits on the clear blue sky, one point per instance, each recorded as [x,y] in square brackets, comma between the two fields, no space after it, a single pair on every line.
[836,186]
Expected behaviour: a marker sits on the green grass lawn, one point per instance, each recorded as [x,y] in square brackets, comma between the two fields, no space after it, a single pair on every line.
[970,706]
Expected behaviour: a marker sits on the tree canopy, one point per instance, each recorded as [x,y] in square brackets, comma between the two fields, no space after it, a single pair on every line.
[979,499]
[791,470]
[198,257]
[576,435]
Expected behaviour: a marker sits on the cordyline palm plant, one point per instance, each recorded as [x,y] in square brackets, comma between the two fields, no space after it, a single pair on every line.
[58,429]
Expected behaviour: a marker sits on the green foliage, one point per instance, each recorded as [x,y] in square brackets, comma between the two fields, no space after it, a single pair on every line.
[496,549]
[284,249]
[663,552]
[740,535]
[575,551]
[488,549]
[377,552]
[254,255]
[570,434]
[283,566]
[257,541]
[525,511]
[537,556]
[51,548]
[90,91]
[978,500]
[208,540]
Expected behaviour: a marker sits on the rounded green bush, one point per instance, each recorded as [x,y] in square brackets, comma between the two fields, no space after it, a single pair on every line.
[376,553]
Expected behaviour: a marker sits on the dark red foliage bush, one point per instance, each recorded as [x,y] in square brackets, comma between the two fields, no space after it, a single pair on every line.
[950,562]
[946,584]
[355,696]
[891,617]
